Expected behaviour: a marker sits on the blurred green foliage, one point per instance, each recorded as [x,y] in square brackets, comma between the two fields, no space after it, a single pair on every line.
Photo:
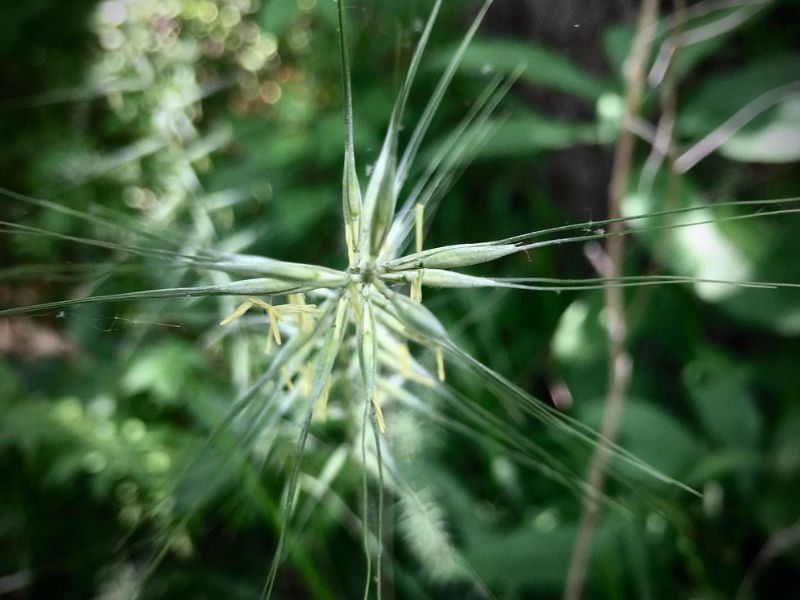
[142,110]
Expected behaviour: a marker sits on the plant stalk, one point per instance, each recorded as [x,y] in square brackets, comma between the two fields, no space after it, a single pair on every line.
[619,362]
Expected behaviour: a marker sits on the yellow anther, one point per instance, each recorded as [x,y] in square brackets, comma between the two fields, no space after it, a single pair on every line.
[378,412]
[268,347]
[422,379]
[419,210]
[273,326]
[320,410]
[405,369]
[273,316]
[238,313]
[416,288]
[299,306]
[260,303]
[440,363]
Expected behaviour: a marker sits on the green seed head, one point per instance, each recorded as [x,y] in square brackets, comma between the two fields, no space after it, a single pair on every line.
[279,269]
[452,257]
[418,317]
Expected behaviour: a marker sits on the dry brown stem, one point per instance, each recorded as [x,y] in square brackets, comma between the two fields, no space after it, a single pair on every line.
[619,363]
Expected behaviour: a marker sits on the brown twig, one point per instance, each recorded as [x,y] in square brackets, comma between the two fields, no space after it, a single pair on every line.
[664,150]
[619,363]
[664,140]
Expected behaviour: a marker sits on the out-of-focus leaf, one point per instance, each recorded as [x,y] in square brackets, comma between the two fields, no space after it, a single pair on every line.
[652,435]
[617,41]
[297,211]
[579,348]
[163,370]
[711,250]
[786,447]
[579,336]
[203,479]
[721,464]
[9,384]
[725,407]
[276,16]
[720,97]
[777,141]
[775,509]
[778,309]
[526,556]
[26,424]
[744,250]
[543,67]
[535,554]
[525,134]
[530,132]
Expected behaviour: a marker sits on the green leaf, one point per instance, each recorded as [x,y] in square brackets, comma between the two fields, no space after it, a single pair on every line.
[9,383]
[725,407]
[530,133]
[580,337]
[776,141]
[720,97]
[525,556]
[652,435]
[786,446]
[543,67]
[162,371]
[778,310]
[298,211]
[720,464]
[711,250]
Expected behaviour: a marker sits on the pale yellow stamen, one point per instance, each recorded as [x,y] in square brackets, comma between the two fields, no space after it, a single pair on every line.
[416,288]
[273,316]
[378,412]
[405,369]
[268,347]
[238,313]
[298,305]
[440,363]
[320,411]
[261,303]
[421,379]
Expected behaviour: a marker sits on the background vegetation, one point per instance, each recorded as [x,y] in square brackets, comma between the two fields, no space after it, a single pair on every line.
[139,111]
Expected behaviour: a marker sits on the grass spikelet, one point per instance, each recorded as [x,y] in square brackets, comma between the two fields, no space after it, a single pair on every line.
[422,524]
[452,257]
[336,335]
